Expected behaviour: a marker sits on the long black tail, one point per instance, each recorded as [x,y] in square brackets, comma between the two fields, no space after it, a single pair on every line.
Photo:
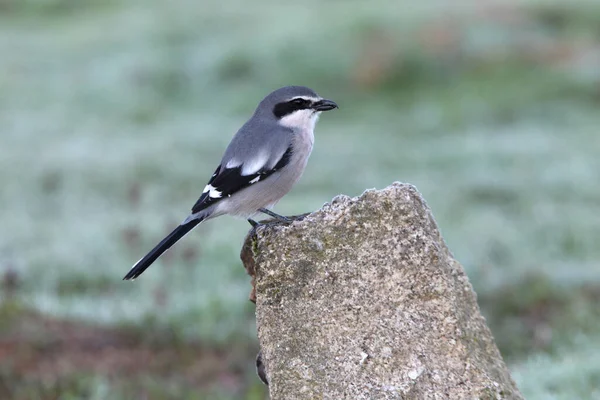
[160,248]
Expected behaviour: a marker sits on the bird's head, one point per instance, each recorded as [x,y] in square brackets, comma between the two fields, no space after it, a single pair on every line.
[296,107]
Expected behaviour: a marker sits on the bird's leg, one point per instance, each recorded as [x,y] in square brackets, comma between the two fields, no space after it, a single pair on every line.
[275,215]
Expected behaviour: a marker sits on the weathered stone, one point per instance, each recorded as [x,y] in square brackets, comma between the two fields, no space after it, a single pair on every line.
[363,300]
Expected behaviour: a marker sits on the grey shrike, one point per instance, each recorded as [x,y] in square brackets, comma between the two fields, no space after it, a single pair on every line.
[264,160]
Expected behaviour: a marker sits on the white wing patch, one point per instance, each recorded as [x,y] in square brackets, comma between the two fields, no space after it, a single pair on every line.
[255,180]
[212,192]
[254,165]
[233,163]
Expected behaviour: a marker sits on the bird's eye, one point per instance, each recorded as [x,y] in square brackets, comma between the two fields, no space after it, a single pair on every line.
[299,102]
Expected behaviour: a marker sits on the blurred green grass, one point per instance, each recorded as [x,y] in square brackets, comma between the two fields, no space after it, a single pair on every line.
[112,115]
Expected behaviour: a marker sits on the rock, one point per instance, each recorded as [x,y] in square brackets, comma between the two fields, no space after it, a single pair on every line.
[363,300]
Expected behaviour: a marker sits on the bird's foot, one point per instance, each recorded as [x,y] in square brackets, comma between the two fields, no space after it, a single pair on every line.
[275,215]
[282,218]
[256,224]
[276,218]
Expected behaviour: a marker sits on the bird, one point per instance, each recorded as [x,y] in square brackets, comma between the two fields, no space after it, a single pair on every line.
[261,164]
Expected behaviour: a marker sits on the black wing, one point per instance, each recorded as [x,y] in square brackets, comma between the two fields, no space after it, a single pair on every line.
[226,181]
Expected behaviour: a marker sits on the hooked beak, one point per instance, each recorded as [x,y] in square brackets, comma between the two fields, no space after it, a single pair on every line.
[324,105]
